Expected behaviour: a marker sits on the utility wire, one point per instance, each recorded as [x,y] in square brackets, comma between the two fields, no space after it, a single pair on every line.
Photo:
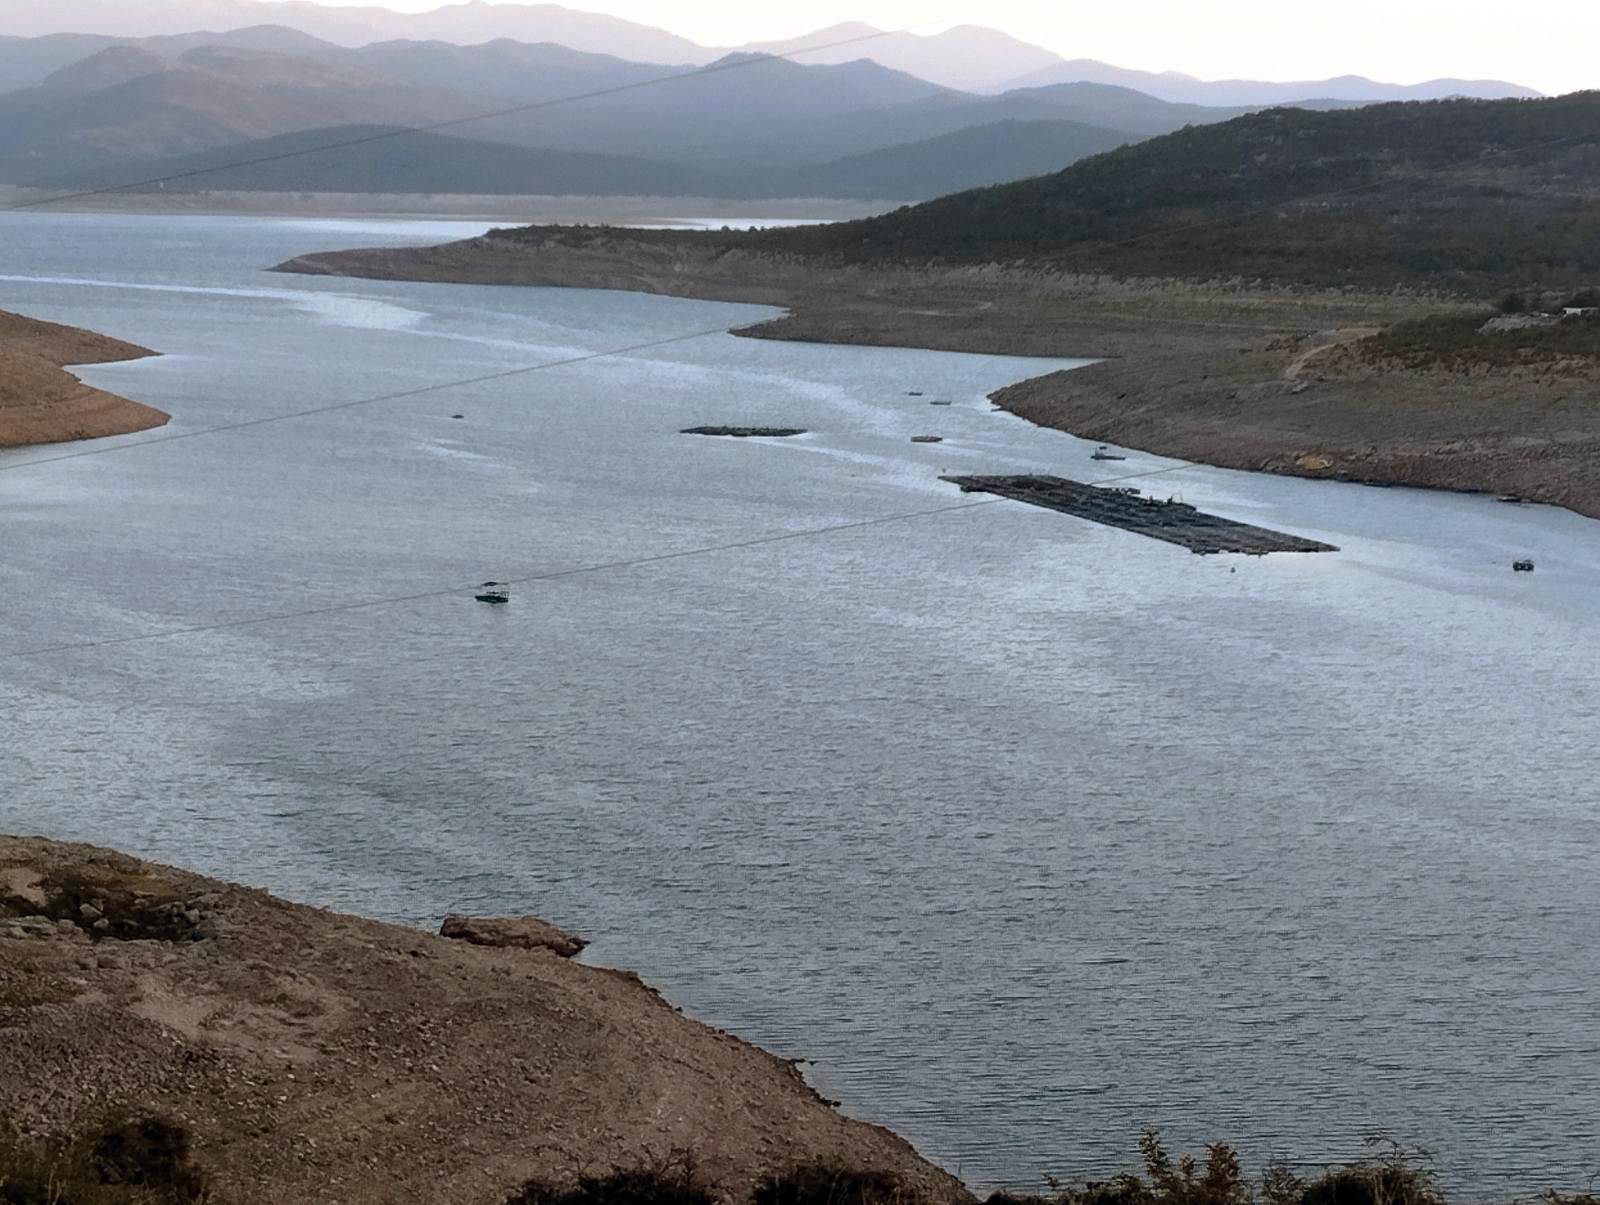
[452,123]
[419,391]
[552,575]
[715,68]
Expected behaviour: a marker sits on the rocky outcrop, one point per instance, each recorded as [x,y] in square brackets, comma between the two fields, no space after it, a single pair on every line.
[317,1057]
[512,933]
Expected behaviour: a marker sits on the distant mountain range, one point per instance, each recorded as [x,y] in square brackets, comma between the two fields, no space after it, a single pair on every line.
[1186,89]
[437,163]
[747,126]
[969,58]
[91,110]
[469,23]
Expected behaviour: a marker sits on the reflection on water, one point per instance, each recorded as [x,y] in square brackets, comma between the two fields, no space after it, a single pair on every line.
[1031,832]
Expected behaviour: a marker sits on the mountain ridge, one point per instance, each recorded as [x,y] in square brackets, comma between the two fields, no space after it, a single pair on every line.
[967,57]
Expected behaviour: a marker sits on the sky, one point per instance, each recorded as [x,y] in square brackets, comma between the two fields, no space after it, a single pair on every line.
[1553,45]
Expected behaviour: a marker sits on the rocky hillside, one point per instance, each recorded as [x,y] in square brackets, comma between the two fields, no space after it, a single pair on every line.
[307,1056]
[1469,195]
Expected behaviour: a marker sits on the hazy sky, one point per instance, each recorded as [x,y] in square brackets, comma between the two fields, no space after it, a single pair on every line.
[1553,45]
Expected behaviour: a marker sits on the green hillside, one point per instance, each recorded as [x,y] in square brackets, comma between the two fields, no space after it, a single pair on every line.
[413,163]
[1457,194]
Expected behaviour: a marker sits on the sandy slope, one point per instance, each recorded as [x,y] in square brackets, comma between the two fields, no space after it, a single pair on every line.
[40,402]
[321,1057]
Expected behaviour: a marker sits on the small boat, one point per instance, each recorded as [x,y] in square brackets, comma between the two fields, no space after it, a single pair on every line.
[1104,453]
[913,393]
[927,439]
[493,592]
[1522,566]
[458,416]
[941,401]
[1514,499]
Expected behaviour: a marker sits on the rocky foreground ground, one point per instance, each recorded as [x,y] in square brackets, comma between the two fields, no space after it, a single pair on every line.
[41,402]
[311,1056]
[1222,373]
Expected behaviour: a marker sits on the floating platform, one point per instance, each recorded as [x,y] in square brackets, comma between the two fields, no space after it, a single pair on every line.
[746,432]
[1174,522]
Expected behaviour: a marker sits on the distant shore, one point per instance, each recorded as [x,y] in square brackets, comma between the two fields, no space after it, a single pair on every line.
[467,207]
[41,402]
[1226,374]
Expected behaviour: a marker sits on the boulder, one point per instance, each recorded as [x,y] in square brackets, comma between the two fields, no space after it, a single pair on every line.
[512,932]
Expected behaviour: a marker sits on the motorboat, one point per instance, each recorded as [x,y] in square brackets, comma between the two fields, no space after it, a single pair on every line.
[493,592]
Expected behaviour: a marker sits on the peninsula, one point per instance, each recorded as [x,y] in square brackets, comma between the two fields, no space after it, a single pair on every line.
[270,1052]
[41,402]
[1327,312]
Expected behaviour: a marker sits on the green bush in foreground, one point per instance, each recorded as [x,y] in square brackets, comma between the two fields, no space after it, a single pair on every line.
[1393,1177]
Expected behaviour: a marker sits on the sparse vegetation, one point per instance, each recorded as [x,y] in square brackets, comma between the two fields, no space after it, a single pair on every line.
[1391,1175]
[672,1180]
[1459,341]
[832,1184]
[137,1161]
[1462,195]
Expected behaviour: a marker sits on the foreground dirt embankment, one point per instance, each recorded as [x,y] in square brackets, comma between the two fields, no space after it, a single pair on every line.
[319,1057]
[1227,375]
[41,402]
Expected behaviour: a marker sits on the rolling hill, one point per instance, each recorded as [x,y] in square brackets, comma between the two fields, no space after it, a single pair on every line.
[1458,194]
[127,104]
[969,158]
[968,57]
[442,164]
[747,127]
[466,23]
[415,163]
[1186,89]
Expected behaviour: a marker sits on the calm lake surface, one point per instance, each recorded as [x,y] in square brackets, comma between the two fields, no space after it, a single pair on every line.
[1031,832]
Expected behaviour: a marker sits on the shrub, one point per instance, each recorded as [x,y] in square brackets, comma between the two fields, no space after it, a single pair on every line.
[674,1180]
[130,1162]
[831,1183]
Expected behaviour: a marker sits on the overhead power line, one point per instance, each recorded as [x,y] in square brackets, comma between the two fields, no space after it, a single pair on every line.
[398,395]
[461,589]
[454,122]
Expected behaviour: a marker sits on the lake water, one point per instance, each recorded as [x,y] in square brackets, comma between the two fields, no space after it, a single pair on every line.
[1031,832]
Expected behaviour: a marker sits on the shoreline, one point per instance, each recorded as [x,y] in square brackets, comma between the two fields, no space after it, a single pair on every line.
[41,402]
[513,208]
[320,1056]
[269,1051]
[1225,374]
